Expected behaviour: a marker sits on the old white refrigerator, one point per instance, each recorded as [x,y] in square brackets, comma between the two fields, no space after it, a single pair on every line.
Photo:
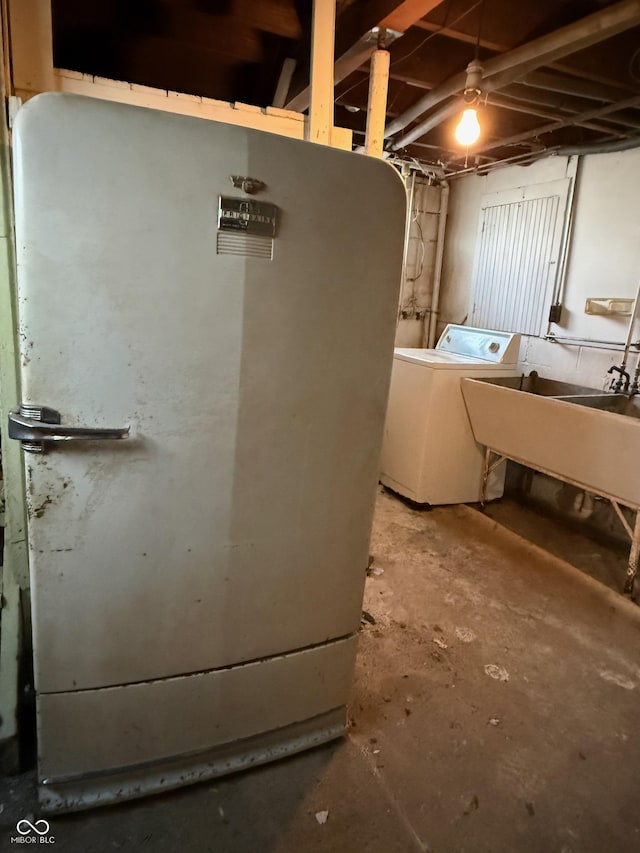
[229,297]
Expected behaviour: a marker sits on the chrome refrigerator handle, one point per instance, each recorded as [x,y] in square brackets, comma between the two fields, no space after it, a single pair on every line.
[35,426]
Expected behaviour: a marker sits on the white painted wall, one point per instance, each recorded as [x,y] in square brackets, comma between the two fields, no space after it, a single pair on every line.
[604,258]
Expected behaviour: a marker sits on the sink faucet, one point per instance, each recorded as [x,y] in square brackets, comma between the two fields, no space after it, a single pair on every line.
[620,384]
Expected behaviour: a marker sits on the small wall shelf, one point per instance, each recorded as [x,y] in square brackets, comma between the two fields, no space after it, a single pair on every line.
[605,305]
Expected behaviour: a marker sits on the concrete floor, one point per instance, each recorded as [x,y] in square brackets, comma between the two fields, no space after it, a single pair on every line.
[494,709]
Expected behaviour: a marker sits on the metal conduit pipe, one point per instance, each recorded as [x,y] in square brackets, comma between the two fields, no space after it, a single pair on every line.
[624,380]
[573,167]
[591,343]
[598,148]
[632,323]
[557,151]
[437,272]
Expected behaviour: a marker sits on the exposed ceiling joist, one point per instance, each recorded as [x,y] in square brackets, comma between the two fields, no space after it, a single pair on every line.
[405,14]
[457,35]
[354,41]
[584,33]
[515,64]
[499,47]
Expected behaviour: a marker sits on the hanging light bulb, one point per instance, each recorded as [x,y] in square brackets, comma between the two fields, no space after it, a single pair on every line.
[468,129]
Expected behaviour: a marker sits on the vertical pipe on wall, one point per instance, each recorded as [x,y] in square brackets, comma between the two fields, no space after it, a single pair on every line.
[573,166]
[632,324]
[430,334]
[322,54]
[410,187]
[377,104]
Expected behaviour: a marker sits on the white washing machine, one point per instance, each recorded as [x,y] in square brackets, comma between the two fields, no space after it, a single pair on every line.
[429,453]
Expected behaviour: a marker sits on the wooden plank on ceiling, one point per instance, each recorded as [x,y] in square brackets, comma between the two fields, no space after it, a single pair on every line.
[406,14]
[227,35]
[278,17]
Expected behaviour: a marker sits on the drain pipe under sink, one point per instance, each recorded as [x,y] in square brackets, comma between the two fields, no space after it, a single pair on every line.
[432,314]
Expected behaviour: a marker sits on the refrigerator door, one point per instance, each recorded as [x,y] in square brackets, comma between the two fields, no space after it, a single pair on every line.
[232,525]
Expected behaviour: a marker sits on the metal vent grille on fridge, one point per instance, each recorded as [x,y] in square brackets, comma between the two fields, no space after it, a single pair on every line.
[245,245]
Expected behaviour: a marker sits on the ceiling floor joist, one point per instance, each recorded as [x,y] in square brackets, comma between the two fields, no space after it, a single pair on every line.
[355,42]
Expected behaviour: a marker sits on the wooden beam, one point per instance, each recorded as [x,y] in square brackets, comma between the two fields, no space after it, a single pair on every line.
[457,35]
[278,17]
[322,50]
[284,81]
[269,119]
[377,104]
[353,42]
[406,14]
[31,46]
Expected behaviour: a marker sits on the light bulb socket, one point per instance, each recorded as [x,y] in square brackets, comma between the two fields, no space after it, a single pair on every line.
[474,76]
[470,97]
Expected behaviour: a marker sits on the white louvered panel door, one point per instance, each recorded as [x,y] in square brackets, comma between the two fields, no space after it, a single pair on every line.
[517,258]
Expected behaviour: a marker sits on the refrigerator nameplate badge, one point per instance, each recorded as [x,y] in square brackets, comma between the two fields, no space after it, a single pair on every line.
[251,217]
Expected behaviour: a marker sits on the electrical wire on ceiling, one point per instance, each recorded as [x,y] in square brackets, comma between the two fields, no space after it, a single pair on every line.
[445,24]
[480,16]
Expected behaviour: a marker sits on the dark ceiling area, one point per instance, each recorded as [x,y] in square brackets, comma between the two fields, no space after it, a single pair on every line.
[557,74]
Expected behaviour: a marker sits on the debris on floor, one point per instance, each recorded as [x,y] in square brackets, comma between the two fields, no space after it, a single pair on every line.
[499,673]
[474,804]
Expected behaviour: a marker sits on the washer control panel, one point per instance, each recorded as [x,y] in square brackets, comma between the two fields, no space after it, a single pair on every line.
[486,344]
